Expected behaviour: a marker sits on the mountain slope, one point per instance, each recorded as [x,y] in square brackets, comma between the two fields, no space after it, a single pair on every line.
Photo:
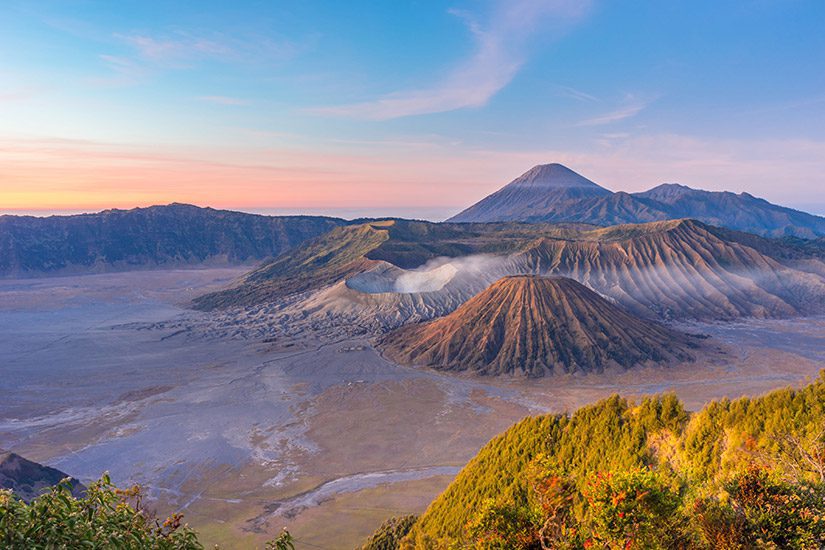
[674,269]
[29,479]
[176,234]
[352,250]
[680,269]
[546,191]
[535,325]
[740,211]
[554,193]
[321,262]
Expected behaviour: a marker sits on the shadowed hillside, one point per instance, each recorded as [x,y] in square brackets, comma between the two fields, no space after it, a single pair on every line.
[29,479]
[173,235]
[535,325]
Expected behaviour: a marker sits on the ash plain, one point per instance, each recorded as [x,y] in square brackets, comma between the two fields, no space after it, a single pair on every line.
[246,429]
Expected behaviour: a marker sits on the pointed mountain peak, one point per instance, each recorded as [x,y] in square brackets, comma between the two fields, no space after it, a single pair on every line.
[544,189]
[552,175]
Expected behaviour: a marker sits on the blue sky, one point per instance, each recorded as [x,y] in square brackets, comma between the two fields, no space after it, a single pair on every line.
[403,108]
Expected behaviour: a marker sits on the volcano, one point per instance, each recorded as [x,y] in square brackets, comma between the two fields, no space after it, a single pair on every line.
[536,325]
[547,190]
[555,193]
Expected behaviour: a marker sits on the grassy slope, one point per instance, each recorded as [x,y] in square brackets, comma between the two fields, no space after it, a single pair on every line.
[613,434]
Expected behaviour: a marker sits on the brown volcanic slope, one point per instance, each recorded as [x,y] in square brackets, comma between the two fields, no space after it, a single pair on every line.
[534,325]
[350,250]
[681,269]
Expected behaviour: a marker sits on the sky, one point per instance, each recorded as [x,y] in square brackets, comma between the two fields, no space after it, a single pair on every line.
[403,108]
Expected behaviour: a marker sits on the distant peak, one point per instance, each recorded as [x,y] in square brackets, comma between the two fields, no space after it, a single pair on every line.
[672,186]
[181,206]
[552,166]
[552,175]
[531,194]
[668,192]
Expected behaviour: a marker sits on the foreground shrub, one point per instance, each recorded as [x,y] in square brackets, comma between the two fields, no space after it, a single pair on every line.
[760,510]
[504,527]
[697,461]
[632,509]
[389,535]
[106,517]
[623,510]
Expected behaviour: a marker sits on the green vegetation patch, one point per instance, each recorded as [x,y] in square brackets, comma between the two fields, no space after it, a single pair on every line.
[106,517]
[747,473]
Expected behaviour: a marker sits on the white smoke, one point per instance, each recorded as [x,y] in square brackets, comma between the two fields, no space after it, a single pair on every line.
[438,272]
[428,280]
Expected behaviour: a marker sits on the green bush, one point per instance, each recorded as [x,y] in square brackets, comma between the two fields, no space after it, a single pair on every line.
[106,517]
[759,509]
[632,509]
[505,527]
[390,533]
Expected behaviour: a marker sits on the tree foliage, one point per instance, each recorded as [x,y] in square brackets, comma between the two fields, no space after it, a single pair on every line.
[389,535]
[759,509]
[739,473]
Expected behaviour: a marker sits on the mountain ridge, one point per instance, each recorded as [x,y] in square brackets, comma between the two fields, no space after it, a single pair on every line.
[164,235]
[550,200]
[670,269]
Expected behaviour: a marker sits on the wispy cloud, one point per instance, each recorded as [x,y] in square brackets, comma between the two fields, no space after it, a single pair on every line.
[148,54]
[182,47]
[223,100]
[122,71]
[631,107]
[573,93]
[499,54]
